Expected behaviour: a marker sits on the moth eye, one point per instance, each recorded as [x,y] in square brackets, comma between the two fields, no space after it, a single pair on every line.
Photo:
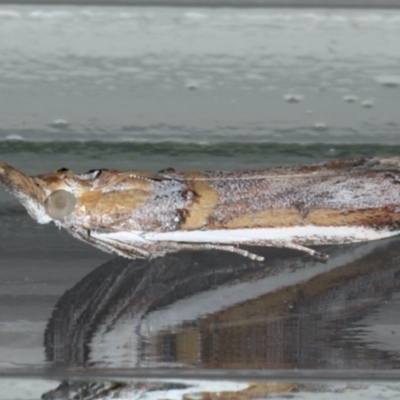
[60,204]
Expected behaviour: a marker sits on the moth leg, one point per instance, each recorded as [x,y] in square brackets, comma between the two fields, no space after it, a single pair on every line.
[85,237]
[295,246]
[110,246]
[208,246]
[122,249]
[307,250]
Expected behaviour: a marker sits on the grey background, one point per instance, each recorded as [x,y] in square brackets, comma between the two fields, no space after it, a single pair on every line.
[225,3]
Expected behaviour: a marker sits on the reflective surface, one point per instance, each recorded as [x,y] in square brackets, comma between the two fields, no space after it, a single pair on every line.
[211,310]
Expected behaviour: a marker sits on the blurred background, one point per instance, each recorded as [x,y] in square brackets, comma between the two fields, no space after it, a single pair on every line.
[201,75]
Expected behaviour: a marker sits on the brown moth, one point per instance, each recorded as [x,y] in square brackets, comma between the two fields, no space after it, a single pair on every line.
[140,214]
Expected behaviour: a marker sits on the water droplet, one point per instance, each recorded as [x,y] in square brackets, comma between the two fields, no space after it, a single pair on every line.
[60,124]
[389,81]
[9,14]
[367,103]
[192,85]
[320,126]
[293,98]
[14,137]
[350,98]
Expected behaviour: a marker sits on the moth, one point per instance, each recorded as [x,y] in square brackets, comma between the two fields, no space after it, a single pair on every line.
[139,214]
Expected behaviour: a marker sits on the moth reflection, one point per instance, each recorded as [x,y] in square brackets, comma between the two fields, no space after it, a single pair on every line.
[216,310]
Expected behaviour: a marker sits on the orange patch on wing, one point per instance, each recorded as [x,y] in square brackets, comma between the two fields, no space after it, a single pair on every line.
[202,207]
[289,217]
[99,204]
[348,217]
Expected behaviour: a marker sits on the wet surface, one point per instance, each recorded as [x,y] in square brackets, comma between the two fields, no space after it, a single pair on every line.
[199,74]
[210,310]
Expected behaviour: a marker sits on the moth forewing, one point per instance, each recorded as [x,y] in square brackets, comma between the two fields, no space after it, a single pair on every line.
[140,214]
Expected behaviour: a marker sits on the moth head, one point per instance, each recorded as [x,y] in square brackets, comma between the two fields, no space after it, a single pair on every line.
[62,190]
[65,197]
[49,197]
[67,192]
[26,190]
